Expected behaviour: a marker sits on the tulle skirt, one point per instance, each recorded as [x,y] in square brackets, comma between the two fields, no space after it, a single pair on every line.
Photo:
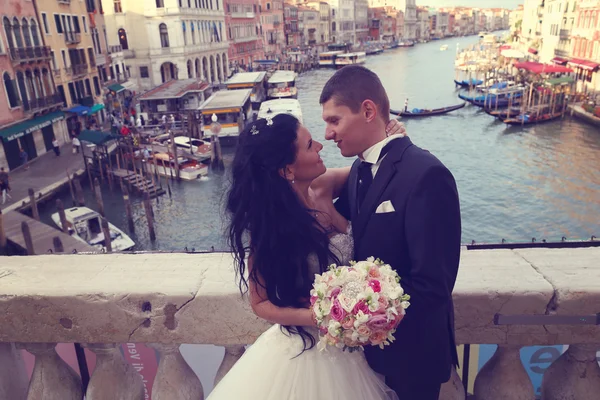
[271,369]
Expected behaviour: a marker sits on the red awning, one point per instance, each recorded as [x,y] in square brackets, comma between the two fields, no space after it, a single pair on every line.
[584,64]
[532,50]
[505,47]
[539,68]
[559,60]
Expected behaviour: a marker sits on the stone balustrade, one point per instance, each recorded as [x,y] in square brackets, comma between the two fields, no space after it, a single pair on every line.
[165,300]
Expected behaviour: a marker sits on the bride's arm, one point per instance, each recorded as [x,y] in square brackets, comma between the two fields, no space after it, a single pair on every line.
[332,181]
[266,310]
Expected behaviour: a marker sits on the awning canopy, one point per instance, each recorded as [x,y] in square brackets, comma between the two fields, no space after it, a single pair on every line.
[559,60]
[96,107]
[532,50]
[96,137]
[116,88]
[563,80]
[539,68]
[79,110]
[584,64]
[21,129]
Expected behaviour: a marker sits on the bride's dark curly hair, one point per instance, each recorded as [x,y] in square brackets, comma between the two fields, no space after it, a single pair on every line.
[269,221]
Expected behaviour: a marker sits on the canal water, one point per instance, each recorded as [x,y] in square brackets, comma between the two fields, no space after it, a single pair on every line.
[514,183]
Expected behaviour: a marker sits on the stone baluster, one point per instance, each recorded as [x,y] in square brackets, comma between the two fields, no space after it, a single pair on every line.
[574,375]
[175,379]
[52,378]
[13,377]
[453,389]
[232,354]
[113,377]
[504,377]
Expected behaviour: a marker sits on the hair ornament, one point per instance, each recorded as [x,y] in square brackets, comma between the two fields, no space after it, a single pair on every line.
[269,121]
[253,130]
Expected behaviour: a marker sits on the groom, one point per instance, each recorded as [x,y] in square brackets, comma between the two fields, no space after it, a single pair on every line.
[404,208]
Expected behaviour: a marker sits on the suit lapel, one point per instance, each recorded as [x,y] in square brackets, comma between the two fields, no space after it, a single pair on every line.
[384,175]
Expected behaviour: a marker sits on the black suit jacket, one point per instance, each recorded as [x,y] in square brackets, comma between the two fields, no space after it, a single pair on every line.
[421,241]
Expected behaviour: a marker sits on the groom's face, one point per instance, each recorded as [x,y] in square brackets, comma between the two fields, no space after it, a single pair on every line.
[344,127]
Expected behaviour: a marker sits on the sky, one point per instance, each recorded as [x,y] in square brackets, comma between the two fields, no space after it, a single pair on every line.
[510,4]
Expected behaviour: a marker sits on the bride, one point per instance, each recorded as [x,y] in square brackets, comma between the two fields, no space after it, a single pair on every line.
[284,221]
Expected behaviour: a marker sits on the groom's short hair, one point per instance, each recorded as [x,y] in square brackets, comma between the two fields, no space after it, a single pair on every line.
[353,84]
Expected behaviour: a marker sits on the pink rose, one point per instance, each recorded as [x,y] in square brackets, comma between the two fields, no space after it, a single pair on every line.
[323,330]
[393,324]
[335,292]
[361,306]
[378,338]
[363,330]
[331,339]
[347,338]
[378,322]
[374,272]
[383,304]
[337,312]
[375,285]
[348,324]
[313,300]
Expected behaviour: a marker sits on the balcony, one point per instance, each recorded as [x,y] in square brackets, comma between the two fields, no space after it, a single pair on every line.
[29,54]
[128,54]
[115,49]
[72,38]
[243,15]
[78,69]
[195,301]
[99,59]
[56,72]
[561,53]
[42,103]
[565,34]
[245,39]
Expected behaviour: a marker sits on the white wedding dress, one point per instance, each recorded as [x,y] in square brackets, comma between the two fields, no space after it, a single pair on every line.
[273,368]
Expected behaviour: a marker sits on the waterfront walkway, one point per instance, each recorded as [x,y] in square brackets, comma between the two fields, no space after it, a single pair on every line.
[45,174]
[578,111]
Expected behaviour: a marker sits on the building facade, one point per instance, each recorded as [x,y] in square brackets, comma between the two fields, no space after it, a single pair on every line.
[160,40]
[293,33]
[271,18]
[585,43]
[361,20]
[342,21]
[242,20]
[308,23]
[29,104]
[422,27]
[324,20]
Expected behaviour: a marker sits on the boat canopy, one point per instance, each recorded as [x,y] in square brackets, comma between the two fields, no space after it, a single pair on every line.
[539,68]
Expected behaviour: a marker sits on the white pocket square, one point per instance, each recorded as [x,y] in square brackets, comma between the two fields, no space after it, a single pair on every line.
[385,207]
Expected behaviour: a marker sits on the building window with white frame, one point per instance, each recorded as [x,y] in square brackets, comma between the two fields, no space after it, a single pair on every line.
[45,23]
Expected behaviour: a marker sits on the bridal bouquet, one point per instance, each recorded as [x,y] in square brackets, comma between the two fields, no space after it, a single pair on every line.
[357,305]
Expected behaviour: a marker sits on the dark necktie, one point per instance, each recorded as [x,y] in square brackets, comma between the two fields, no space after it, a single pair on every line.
[365,176]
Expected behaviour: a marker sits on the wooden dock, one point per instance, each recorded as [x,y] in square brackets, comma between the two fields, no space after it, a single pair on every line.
[141,184]
[42,235]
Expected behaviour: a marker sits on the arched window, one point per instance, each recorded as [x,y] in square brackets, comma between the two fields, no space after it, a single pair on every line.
[26,33]
[17,33]
[23,90]
[34,33]
[8,32]
[268,6]
[47,81]
[11,91]
[123,39]
[164,35]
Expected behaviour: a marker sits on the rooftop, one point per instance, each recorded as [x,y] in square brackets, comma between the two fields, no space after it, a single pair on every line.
[246,77]
[282,76]
[175,89]
[226,98]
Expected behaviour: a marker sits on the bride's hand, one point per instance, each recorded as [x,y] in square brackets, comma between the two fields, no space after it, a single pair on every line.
[395,127]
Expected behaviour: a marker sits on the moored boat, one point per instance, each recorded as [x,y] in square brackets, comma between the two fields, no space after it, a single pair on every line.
[356,58]
[532,118]
[282,84]
[418,112]
[164,164]
[272,108]
[85,225]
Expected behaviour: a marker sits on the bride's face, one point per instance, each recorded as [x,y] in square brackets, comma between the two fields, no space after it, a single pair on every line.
[308,164]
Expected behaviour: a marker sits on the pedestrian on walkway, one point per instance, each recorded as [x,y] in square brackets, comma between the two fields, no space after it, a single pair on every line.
[4,185]
[24,158]
[76,144]
[56,146]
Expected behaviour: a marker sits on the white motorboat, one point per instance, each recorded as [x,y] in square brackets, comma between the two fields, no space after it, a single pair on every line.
[271,108]
[85,224]
[164,164]
[444,47]
[357,58]
[282,84]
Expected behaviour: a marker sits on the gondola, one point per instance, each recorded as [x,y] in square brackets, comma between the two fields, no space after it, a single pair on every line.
[528,119]
[503,113]
[467,83]
[416,112]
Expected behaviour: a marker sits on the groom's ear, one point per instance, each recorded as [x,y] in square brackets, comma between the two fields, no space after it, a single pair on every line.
[369,110]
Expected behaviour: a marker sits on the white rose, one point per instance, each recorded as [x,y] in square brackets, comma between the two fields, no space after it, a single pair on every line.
[361,318]
[405,304]
[346,302]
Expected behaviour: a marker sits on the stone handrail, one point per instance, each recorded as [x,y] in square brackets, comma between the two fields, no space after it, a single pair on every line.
[170,299]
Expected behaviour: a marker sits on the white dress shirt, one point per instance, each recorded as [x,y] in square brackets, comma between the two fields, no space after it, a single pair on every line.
[371,155]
